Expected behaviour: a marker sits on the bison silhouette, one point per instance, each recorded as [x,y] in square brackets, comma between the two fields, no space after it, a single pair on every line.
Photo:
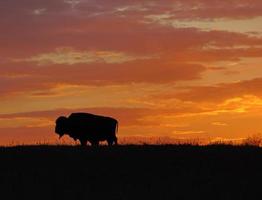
[87,127]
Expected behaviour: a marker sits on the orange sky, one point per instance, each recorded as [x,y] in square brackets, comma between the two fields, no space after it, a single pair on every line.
[169,68]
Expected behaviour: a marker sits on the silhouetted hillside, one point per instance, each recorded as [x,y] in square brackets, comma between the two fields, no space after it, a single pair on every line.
[131,172]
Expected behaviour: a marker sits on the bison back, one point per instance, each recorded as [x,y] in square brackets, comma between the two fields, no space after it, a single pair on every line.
[92,126]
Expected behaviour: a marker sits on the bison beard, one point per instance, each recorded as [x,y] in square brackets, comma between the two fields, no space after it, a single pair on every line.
[87,127]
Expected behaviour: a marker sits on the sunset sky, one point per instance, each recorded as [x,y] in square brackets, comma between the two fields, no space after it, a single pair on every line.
[166,68]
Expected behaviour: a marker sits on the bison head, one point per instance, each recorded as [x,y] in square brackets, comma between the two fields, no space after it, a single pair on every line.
[61,126]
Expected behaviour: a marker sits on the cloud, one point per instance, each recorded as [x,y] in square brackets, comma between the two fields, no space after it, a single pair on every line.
[203,9]
[39,11]
[104,32]
[72,3]
[189,132]
[24,122]
[231,98]
[126,116]
[222,92]
[98,74]
[219,124]
[174,122]
[135,8]
[69,56]
[247,26]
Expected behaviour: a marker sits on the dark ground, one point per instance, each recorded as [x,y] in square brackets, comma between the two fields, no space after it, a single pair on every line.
[131,172]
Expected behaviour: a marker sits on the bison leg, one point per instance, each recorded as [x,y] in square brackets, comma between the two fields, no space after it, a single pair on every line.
[109,142]
[83,142]
[95,143]
[112,141]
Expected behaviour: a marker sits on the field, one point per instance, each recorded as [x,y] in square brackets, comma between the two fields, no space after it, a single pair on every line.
[131,172]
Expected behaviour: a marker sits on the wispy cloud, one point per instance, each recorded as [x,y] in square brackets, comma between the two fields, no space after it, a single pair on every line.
[219,124]
[69,56]
[247,26]
[72,3]
[39,11]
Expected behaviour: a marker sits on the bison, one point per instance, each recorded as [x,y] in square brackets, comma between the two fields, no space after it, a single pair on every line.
[87,127]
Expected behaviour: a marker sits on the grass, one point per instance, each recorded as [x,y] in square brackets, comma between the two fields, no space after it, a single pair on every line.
[131,172]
